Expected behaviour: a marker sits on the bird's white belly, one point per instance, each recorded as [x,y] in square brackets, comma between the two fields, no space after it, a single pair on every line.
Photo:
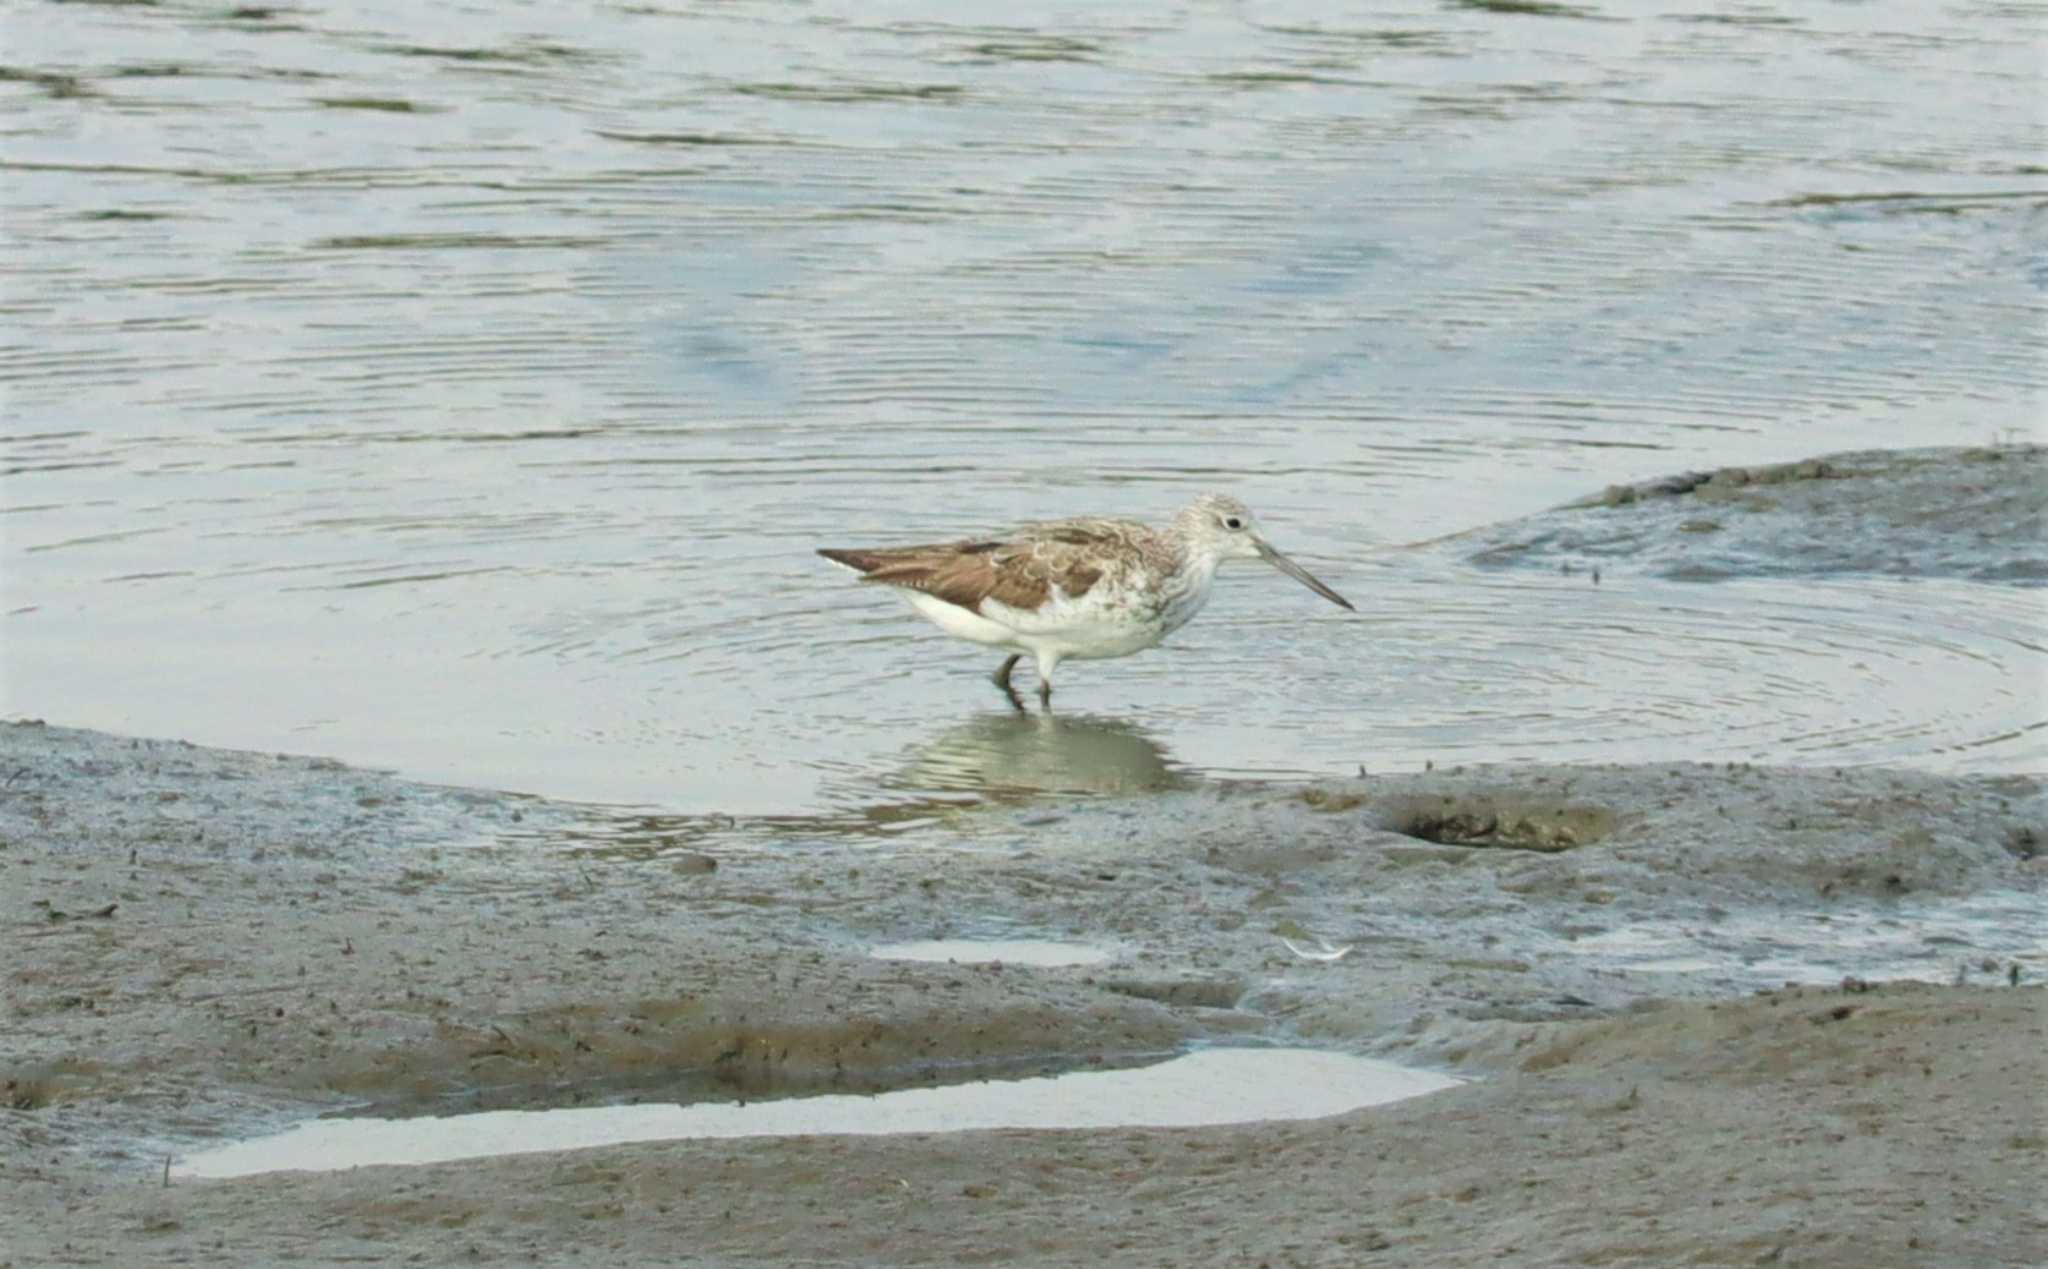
[960,623]
[1096,640]
[1081,630]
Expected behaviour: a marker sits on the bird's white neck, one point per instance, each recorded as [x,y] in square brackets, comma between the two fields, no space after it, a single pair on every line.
[1187,589]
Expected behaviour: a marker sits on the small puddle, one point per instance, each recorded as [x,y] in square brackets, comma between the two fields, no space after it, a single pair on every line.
[1213,1086]
[1040,952]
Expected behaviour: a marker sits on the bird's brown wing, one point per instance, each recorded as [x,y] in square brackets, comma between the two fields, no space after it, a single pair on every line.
[1020,573]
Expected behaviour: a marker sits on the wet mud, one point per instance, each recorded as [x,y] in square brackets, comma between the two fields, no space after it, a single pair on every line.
[1978,513]
[206,945]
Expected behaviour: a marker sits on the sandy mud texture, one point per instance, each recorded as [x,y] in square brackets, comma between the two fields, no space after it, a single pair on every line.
[1963,513]
[201,943]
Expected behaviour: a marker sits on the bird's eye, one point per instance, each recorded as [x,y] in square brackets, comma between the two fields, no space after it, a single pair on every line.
[1232,522]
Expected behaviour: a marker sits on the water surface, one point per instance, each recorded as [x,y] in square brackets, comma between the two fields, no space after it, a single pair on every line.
[1213,1086]
[465,389]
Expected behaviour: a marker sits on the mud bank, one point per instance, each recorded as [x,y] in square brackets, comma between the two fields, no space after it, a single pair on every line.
[203,945]
[1980,514]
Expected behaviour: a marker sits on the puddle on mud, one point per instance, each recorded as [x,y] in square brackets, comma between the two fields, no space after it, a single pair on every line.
[1213,1086]
[1044,953]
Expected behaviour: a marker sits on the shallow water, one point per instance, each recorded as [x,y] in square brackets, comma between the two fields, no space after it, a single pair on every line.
[464,390]
[1041,953]
[1214,1086]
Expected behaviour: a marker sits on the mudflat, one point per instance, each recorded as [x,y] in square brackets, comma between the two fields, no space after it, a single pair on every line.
[203,945]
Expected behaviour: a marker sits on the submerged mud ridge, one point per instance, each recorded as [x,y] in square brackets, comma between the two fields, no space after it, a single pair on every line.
[204,945]
[1980,514]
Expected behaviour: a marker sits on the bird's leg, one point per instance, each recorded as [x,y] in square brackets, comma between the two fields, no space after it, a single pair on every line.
[1047,662]
[1001,678]
[1002,674]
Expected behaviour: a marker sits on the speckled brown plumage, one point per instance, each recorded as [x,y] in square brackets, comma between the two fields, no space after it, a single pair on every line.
[1021,570]
[1085,589]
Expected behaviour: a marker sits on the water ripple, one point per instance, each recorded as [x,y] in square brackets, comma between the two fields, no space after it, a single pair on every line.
[466,389]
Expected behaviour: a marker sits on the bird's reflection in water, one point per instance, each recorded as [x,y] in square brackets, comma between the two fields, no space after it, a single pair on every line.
[1016,753]
[1004,757]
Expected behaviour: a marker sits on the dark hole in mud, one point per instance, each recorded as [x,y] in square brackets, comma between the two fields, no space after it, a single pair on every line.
[24,1095]
[1481,822]
[2022,842]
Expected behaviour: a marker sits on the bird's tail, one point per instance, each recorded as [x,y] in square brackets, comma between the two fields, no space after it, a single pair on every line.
[860,561]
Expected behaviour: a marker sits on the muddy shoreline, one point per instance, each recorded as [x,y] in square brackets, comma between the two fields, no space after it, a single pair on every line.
[213,943]
[1977,513]
[1715,1014]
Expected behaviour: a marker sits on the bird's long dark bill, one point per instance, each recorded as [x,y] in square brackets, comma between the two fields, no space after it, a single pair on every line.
[1302,575]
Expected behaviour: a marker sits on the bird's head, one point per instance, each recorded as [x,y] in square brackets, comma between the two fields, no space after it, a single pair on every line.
[1223,528]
